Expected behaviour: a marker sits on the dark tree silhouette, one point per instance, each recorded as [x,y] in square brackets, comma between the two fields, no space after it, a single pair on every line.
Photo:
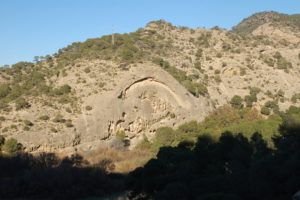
[234,168]
[48,177]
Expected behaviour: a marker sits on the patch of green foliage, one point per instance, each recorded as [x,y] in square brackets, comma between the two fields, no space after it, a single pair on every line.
[11,146]
[265,111]
[246,121]
[222,169]
[194,88]
[21,103]
[236,102]
[251,23]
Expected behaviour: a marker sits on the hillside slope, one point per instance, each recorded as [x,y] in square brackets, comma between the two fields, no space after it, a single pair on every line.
[90,93]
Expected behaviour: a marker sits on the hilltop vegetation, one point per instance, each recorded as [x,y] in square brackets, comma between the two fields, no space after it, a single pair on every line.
[251,23]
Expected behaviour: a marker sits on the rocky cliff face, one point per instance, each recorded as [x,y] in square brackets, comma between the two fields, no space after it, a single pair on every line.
[161,75]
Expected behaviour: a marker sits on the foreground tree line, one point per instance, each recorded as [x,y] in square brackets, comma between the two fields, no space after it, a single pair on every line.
[227,156]
[233,167]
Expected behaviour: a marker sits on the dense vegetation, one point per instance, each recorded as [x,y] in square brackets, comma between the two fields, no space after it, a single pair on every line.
[233,167]
[48,177]
[226,118]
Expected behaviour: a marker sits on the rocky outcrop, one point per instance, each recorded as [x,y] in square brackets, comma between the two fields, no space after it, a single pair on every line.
[145,98]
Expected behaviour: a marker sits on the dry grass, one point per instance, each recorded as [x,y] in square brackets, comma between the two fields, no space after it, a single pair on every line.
[123,161]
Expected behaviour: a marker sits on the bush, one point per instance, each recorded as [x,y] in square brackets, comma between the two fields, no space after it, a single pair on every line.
[4,90]
[11,146]
[219,55]
[295,97]
[277,55]
[280,93]
[44,117]
[28,123]
[217,71]
[218,79]
[21,103]
[69,124]
[283,64]
[87,70]
[121,135]
[88,108]
[243,72]
[4,106]
[164,136]
[54,130]
[64,89]
[236,102]
[199,53]
[26,128]
[59,119]
[265,111]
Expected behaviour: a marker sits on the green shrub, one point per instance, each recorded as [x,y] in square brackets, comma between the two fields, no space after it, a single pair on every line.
[218,78]
[121,135]
[277,55]
[64,89]
[11,146]
[295,97]
[197,65]
[254,91]
[217,71]
[194,88]
[219,55]
[2,118]
[28,123]
[69,124]
[280,93]
[26,128]
[236,102]
[88,108]
[271,104]
[208,58]
[4,90]
[284,64]
[243,72]
[59,119]
[249,101]
[3,106]
[44,117]
[265,111]
[54,130]
[269,61]
[87,70]
[172,115]
[21,103]
[145,144]
[164,136]
[199,53]
[65,100]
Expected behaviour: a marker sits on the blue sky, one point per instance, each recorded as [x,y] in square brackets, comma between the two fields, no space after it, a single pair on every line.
[31,28]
